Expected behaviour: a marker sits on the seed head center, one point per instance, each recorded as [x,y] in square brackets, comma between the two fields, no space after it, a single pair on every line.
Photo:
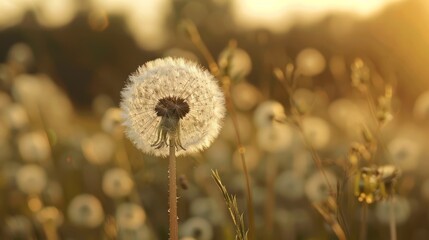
[172,107]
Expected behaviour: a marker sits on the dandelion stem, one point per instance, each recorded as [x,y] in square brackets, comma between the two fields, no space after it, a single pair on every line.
[172,197]
[392,221]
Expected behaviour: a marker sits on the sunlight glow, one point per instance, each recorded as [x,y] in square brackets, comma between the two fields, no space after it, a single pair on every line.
[280,15]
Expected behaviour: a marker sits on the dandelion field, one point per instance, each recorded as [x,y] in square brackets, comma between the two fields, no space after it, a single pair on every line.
[214,120]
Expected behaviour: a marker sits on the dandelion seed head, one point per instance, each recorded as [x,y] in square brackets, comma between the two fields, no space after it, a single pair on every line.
[85,210]
[206,208]
[269,112]
[172,95]
[237,62]
[245,96]
[130,216]
[405,152]
[275,138]
[198,228]
[310,62]
[111,121]
[31,179]
[98,149]
[316,187]
[401,206]
[34,147]
[317,131]
[117,183]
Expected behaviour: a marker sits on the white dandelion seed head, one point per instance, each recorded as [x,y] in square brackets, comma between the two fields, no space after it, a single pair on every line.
[276,138]
[268,112]
[198,228]
[405,152]
[316,187]
[112,121]
[130,216]
[180,80]
[317,131]
[31,179]
[237,61]
[310,62]
[85,210]
[207,208]
[98,149]
[401,208]
[117,183]
[245,96]
[34,147]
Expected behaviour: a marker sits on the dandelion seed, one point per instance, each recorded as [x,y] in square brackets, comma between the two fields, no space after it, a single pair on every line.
[236,62]
[317,132]
[310,62]
[275,138]
[86,210]
[172,98]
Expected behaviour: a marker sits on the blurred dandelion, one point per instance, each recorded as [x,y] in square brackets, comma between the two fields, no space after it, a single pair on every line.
[31,179]
[130,216]
[98,149]
[252,156]
[276,138]
[245,96]
[16,116]
[111,121]
[269,112]
[401,206]
[316,131]
[50,215]
[316,187]
[34,147]
[207,208]
[236,62]
[421,106]
[18,227]
[117,183]
[197,227]
[405,153]
[310,62]
[85,210]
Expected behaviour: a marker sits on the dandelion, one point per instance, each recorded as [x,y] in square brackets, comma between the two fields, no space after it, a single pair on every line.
[269,112]
[317,188]
[316,131]
[16,116]
[111,121]
[405,152]
[310,62]
[34,147]
[86,210]
[236,62]
[130,216]
[98,149]
[275,138]
[401,209]
[18,227]
[31,179]
[21,55]
[198,228]
[207,208]
[50,215]
[245,96]
[171,106]
[421,106]
[169,97]
[117,183]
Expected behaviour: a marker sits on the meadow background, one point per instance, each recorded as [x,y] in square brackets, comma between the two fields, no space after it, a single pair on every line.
[68,172]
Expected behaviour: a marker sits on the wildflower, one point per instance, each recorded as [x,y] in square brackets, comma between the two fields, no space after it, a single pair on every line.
[172,99]
[117,183]
[130,216]
[86,210]
[31,179]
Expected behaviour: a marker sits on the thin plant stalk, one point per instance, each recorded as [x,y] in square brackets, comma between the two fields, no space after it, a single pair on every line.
[392,220]
[270,203]
[363,226]
[226,82]
[172,193]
